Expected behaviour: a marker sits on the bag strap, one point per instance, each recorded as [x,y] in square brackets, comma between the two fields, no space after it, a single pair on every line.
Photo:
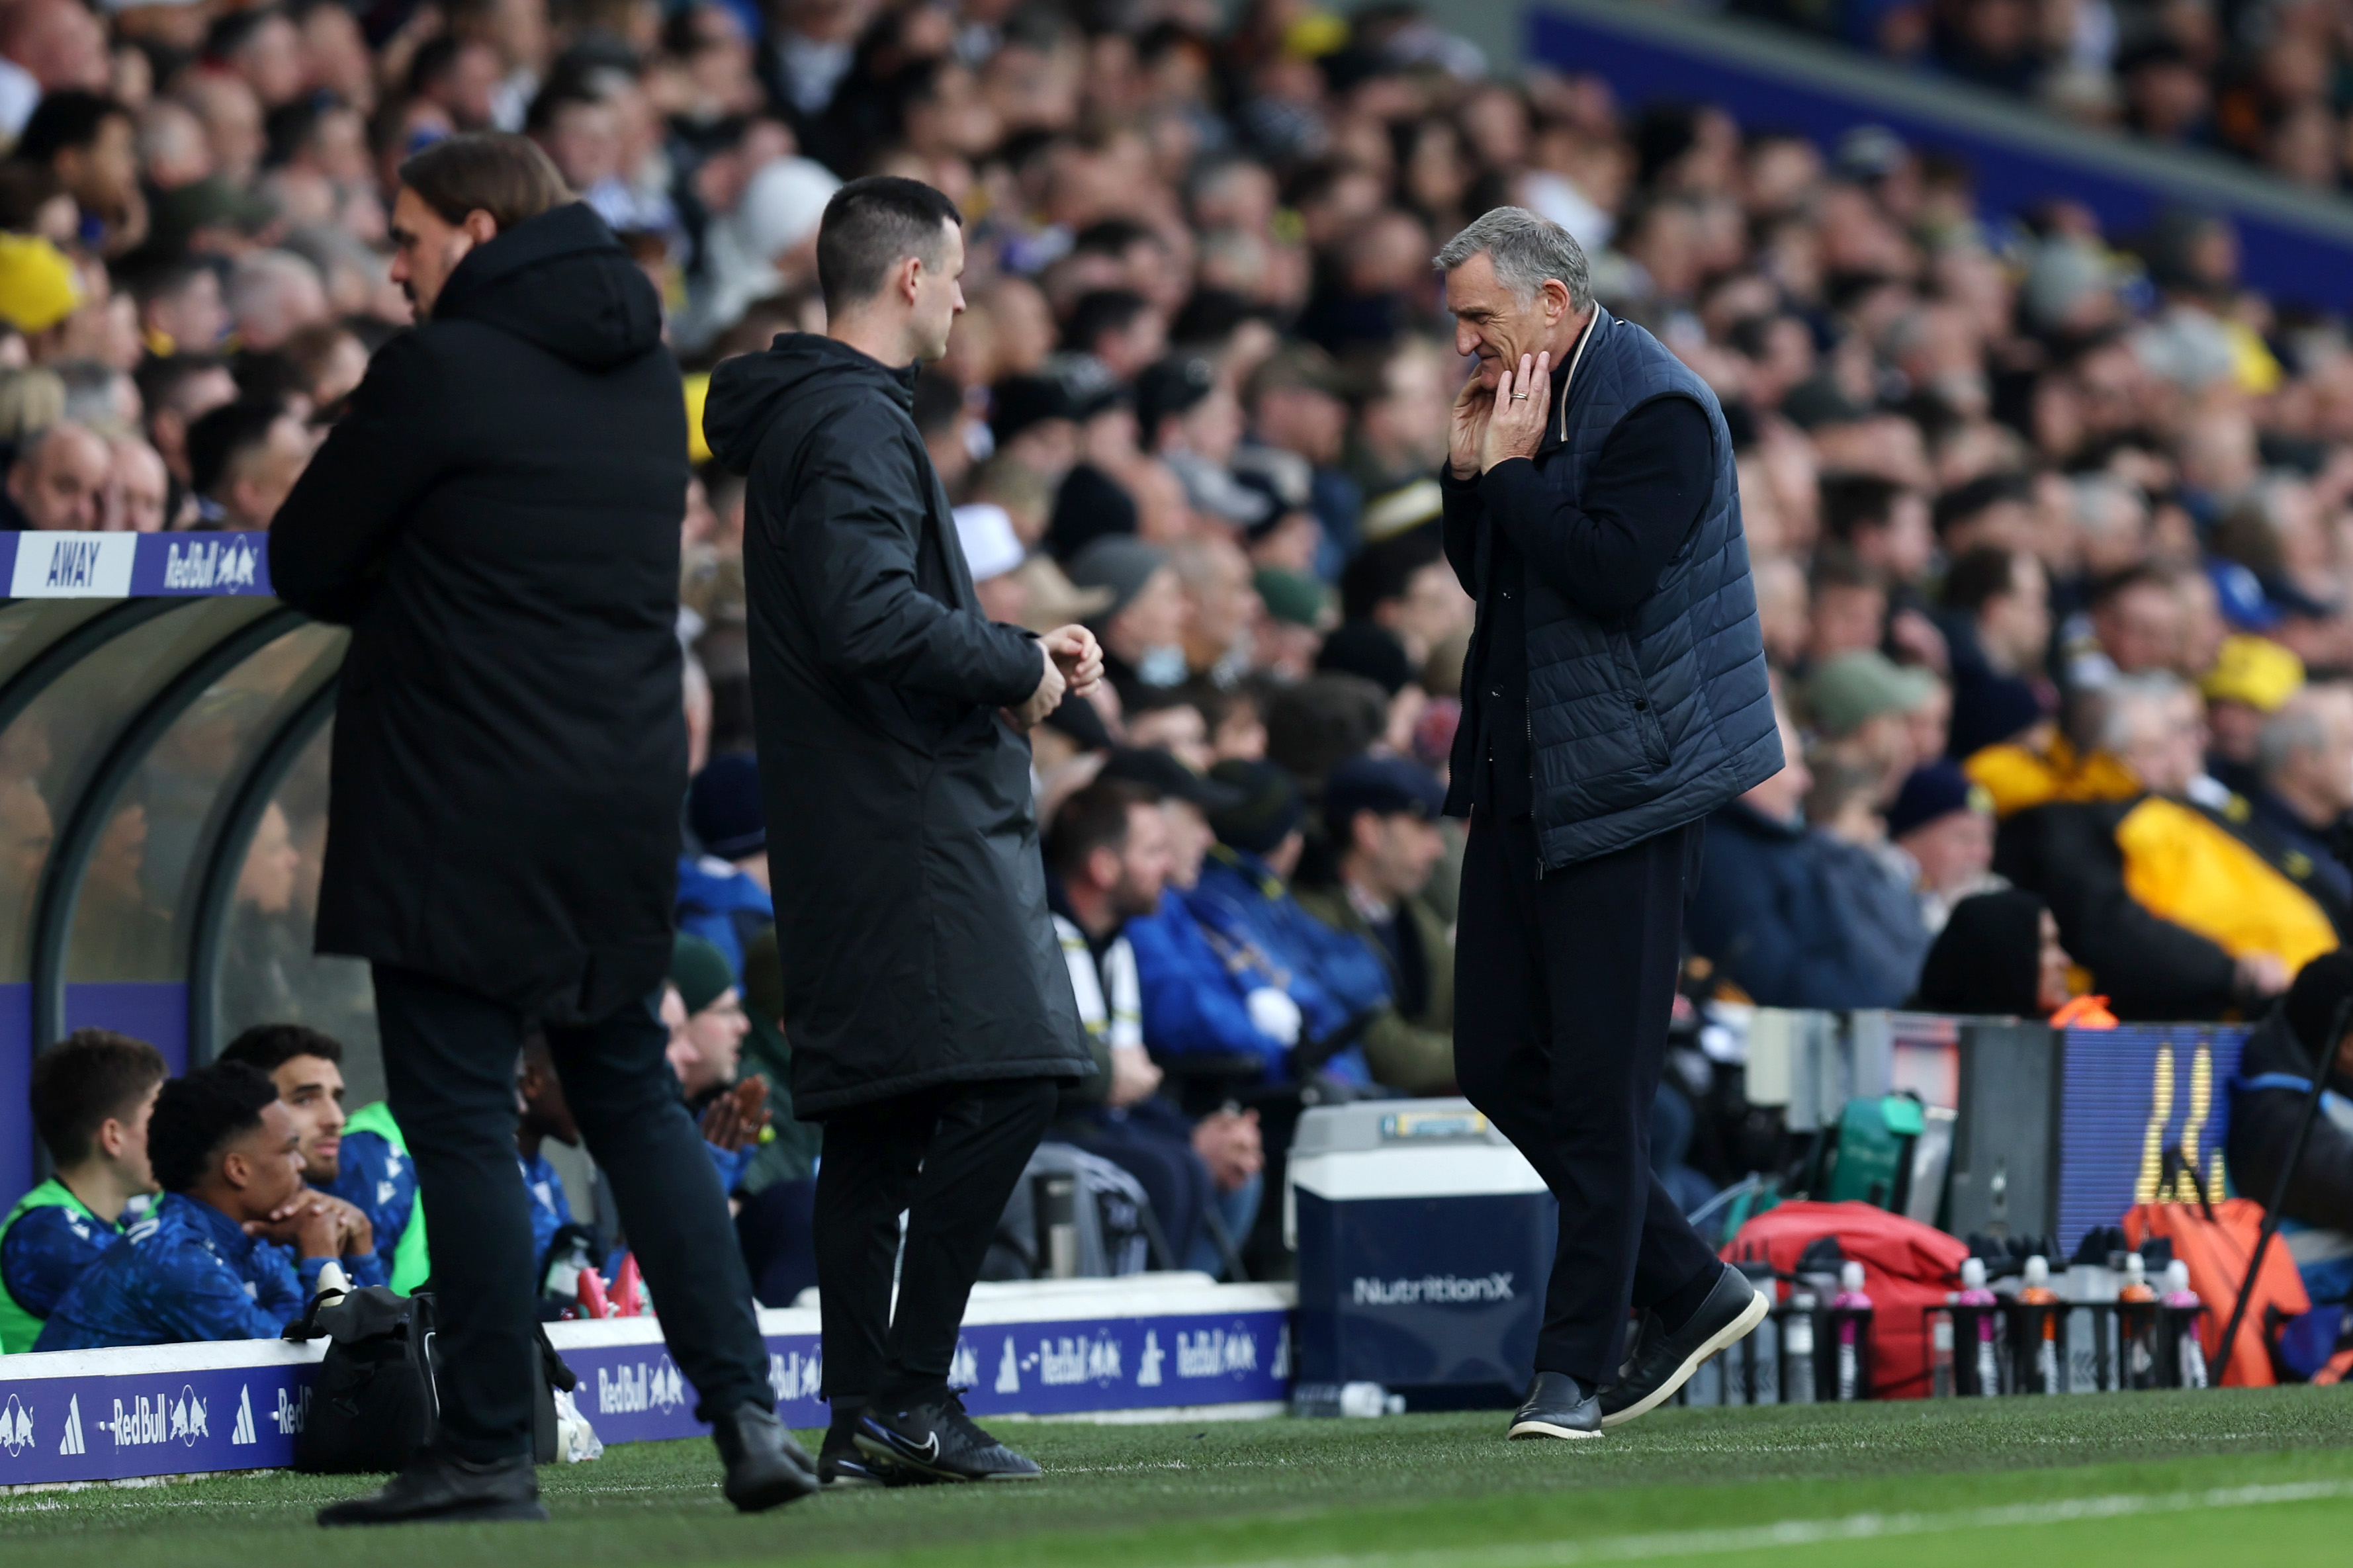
[306,1327]
[2177,1165]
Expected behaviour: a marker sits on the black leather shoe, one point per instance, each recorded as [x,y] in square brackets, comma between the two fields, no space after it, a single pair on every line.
[442,1487]
[1663,1361]
[1557,1407]
[765,1467]
[940,1442]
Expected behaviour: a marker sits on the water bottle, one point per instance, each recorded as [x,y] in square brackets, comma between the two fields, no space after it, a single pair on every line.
[2137,1325]
[1798,1342]
[1853,1309]
[1973,1293]
[2043,1324]
[2190,1351]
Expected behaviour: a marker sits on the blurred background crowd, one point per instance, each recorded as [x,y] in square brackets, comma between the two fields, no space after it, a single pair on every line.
[2049,525]
[2264,80]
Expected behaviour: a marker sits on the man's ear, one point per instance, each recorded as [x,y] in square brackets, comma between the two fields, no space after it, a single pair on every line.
[1555,301]
[110,1137]
[910,278]
[1103,866]
[237,1171]
[481,227]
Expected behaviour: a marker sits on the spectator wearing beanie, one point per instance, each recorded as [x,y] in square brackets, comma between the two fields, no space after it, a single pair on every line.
[1381,817]
[1944,824]
[1764,913]
[722,893]
[1143,627]
[778,1186]
[706,1050]
[1243,901]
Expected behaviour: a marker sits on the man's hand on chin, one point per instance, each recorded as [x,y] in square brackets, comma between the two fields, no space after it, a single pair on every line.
[1523,399]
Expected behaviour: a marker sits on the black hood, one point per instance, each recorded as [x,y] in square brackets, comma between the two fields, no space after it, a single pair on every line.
[751,392]
[560,280]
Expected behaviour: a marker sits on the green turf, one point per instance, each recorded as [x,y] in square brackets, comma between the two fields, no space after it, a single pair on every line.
[2086,1480]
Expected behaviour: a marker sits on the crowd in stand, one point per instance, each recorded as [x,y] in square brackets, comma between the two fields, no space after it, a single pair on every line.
[2265,82]
[2049,526]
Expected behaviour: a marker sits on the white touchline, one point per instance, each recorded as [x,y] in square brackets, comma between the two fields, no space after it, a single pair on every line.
[1838,1527]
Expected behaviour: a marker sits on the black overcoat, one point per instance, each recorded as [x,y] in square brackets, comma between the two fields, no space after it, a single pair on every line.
[497,521]
[903,838]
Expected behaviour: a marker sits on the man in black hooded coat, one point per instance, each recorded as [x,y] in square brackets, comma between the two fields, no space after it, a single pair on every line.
[497,521]
[927,998]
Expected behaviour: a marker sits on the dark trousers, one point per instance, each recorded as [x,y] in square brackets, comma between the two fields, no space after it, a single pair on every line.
[948,1158]
[449,1065]
[1563,985]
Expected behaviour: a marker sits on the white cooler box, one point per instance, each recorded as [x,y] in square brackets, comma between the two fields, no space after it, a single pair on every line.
[1424,1240]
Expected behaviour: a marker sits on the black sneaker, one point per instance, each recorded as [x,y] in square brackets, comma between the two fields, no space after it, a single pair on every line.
[443,1488]
[1557,1407]
[939,1441]
[841,1467]
[1663,1361]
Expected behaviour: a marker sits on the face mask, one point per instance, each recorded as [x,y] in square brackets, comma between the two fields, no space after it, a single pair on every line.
[1162,666]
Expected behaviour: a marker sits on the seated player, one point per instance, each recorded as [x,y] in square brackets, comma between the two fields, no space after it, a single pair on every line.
[706,1048]
[91,1093]
[360,1157]
[204,1264]
[545,1115]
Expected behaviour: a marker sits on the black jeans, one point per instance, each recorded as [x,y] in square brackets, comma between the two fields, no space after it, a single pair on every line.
[449,1065]
[949,1157]
[1563,985]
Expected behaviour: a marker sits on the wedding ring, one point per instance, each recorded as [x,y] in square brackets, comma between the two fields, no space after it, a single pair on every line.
[1519,397]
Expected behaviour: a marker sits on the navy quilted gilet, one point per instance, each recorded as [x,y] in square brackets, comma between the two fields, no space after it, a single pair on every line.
[1653,720]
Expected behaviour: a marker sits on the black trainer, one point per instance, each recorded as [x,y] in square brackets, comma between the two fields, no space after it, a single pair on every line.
[1557,1407]
[765,1467]
[439,1487]
[841,1467]
[1663,1361]
[939,1441]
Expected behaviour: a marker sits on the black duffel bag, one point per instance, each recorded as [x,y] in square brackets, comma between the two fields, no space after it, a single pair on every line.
[376,1400]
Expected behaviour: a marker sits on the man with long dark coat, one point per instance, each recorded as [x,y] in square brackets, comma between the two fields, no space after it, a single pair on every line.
[497,521]
[929,1005]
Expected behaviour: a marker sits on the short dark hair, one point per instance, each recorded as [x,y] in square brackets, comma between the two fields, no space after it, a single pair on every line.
[869,226]
[1094,818]
[268,1047]
[161,376]
[218,438]
[196,1114]
[506,176]
[1384,570]
[1100,311]
[1980,576]
[1837,565]
[1967,499]
[83,1079]
[73,118]
[1852,501]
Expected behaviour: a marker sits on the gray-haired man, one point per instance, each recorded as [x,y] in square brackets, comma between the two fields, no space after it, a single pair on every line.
[1614,695]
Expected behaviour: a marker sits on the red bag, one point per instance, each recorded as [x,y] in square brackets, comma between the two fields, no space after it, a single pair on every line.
[2216,1244]
[1907,1266]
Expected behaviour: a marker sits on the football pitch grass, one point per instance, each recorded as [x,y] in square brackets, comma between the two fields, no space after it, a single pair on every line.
[2146,1479]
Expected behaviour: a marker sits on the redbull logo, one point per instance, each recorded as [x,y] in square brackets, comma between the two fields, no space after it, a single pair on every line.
[1085,1358]
[1214,1352]
[793,1375]
[208,564]
[169,1418]
[636,1388]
